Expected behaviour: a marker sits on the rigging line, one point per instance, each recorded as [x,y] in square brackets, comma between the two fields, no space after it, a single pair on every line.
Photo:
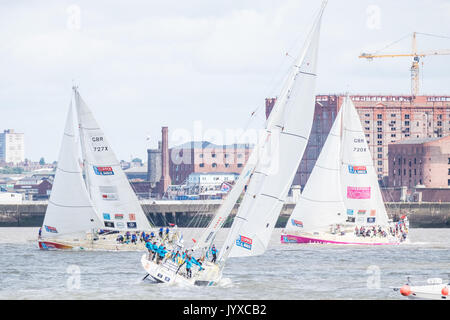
[60,205]
[66,171]
[312,200]
[434,35]
[270,196]
[391,44]
[331,169]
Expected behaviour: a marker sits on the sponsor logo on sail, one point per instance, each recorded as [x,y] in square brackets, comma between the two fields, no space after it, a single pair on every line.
[371,220]
[51,229]
[120,225]
[373,213]
[131,225]
[244,242]
[297,223]
[357,169]
[361,211]
[109,224]
[358,192]
[118,216]
[109,196]
[132,216]
[103,171]
[106,216]
[350,212]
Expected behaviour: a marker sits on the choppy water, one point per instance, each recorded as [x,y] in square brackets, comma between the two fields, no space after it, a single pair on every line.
[285,271]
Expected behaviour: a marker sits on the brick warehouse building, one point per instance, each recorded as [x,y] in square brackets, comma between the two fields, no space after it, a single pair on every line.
[203,156]
[420,161]
[385,119]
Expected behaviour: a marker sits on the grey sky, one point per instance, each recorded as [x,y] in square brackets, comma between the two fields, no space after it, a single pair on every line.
[143,64]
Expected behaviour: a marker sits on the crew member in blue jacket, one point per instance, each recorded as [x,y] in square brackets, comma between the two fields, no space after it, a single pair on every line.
[214,253]
[161,253]
[188,266]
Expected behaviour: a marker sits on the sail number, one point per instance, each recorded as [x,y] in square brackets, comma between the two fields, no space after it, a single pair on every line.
[96,149]
[356,149]
[98,144]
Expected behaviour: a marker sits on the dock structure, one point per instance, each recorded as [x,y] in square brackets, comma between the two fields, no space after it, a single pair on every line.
[197,213]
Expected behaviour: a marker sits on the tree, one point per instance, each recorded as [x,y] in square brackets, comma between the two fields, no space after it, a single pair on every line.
[42,161]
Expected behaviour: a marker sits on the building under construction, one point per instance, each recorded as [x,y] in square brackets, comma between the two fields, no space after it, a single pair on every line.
[386,119]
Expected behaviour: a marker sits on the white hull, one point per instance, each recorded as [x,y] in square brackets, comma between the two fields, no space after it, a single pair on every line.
[329,238]
[104,243]
[170,272]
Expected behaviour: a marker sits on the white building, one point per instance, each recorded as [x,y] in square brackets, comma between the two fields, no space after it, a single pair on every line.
[210,180]
[12,146]
[10,198]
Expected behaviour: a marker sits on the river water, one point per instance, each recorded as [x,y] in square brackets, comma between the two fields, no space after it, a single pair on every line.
[285,271]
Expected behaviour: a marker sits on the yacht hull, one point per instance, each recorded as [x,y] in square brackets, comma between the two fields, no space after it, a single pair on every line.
[290,238]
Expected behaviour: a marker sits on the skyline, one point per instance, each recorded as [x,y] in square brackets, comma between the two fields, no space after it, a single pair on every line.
[143,66]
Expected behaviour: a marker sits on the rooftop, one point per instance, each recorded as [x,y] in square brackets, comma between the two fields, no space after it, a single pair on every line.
[418,140]
[209,145]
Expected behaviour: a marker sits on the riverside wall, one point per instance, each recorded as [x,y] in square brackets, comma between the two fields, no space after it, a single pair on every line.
[197,213]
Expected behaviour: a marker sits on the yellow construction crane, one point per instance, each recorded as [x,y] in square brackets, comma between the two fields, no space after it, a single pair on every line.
[415,63]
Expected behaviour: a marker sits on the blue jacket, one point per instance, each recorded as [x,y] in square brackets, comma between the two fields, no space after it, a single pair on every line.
[213,250]
[162,252]
[188,263]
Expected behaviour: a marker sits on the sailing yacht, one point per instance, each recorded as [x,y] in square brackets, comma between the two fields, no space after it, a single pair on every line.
[89,213]
[268,174]
[342,202]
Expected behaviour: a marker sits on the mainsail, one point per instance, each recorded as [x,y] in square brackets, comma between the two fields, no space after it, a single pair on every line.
[343,182]
[110,191]
[287,132]
[69,209]
[360,190]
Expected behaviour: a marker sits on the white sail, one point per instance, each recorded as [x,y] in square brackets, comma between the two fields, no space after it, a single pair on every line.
[321,203]
[360,189]
[69,208]
[110,191]
[288,129]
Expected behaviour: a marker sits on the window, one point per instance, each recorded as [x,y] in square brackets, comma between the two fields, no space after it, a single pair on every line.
[407,123]
[406,116]
[393,135]
[448,182]
[239,165]
[200,155]
[380,156]
[227,165]
[380,149]
[393,115]
[380,163]
[379,129]
[379,123]
[213,155]
[380,136]
[214,165]
[379,142]
[367,122]
[439,123]
[239,155]
[201,165]
[379,116]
